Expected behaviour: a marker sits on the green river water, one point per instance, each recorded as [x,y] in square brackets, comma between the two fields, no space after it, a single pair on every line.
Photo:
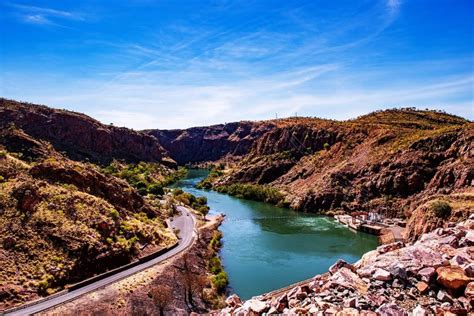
[266,247]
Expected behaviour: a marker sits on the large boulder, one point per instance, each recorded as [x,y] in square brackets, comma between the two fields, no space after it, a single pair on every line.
[452,277]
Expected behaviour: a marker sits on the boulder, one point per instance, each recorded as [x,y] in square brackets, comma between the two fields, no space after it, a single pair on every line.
[255,306]
[382,275]
[452,277]
[233,301]
[427,274]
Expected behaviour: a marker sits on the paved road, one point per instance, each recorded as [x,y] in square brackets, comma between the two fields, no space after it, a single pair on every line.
[185,223]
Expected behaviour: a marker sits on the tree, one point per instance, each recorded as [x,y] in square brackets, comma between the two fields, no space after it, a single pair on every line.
[162,296]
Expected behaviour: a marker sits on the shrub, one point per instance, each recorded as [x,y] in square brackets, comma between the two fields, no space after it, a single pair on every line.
[215,265]
[441,209]
[114,214]
[253,192]
[220,281]
[326,146]
[3,154]
[155,189]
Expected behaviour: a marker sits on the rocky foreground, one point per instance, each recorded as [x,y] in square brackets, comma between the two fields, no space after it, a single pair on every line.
[434,275]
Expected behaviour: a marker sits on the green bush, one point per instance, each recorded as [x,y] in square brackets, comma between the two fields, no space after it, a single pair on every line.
[220,281]
[254,192]
[215,265]
[441,209]
[326,146]
[114,214]
[155,189]
[3,154]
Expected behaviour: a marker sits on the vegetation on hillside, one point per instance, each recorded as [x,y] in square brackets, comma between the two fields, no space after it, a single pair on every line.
[219,278]
[146,177]
[197,203]
[62,221]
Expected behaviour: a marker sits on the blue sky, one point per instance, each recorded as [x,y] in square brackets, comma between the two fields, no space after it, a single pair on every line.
[174,64]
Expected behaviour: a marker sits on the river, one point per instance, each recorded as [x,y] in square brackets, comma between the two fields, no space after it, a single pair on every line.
[266,247]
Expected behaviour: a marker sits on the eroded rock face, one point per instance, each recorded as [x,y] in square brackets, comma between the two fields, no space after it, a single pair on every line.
[210,143]
[80,136]
[415,279]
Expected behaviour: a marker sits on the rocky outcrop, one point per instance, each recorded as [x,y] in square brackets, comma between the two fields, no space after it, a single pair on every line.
[80,136]
[200,144]
[430,276]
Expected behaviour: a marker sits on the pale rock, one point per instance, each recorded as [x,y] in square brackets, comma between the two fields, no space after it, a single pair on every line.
[444,297]
[382,275]
[419,311]
[313,310]
[255,306]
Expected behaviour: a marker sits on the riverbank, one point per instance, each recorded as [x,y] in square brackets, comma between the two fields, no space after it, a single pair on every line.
[434,275]
[184,284]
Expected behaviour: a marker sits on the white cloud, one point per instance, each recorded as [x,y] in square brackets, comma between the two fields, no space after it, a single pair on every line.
[43,15]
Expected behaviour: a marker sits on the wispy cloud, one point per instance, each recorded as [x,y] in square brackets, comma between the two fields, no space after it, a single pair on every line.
[44,16]
[181,75]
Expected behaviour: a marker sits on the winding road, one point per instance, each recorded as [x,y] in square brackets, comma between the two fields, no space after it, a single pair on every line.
[186,224]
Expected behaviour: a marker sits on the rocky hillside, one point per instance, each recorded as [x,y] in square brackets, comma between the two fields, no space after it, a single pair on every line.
[80,136]
[211,143]
[390,162]
[433,276]
[62,220]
